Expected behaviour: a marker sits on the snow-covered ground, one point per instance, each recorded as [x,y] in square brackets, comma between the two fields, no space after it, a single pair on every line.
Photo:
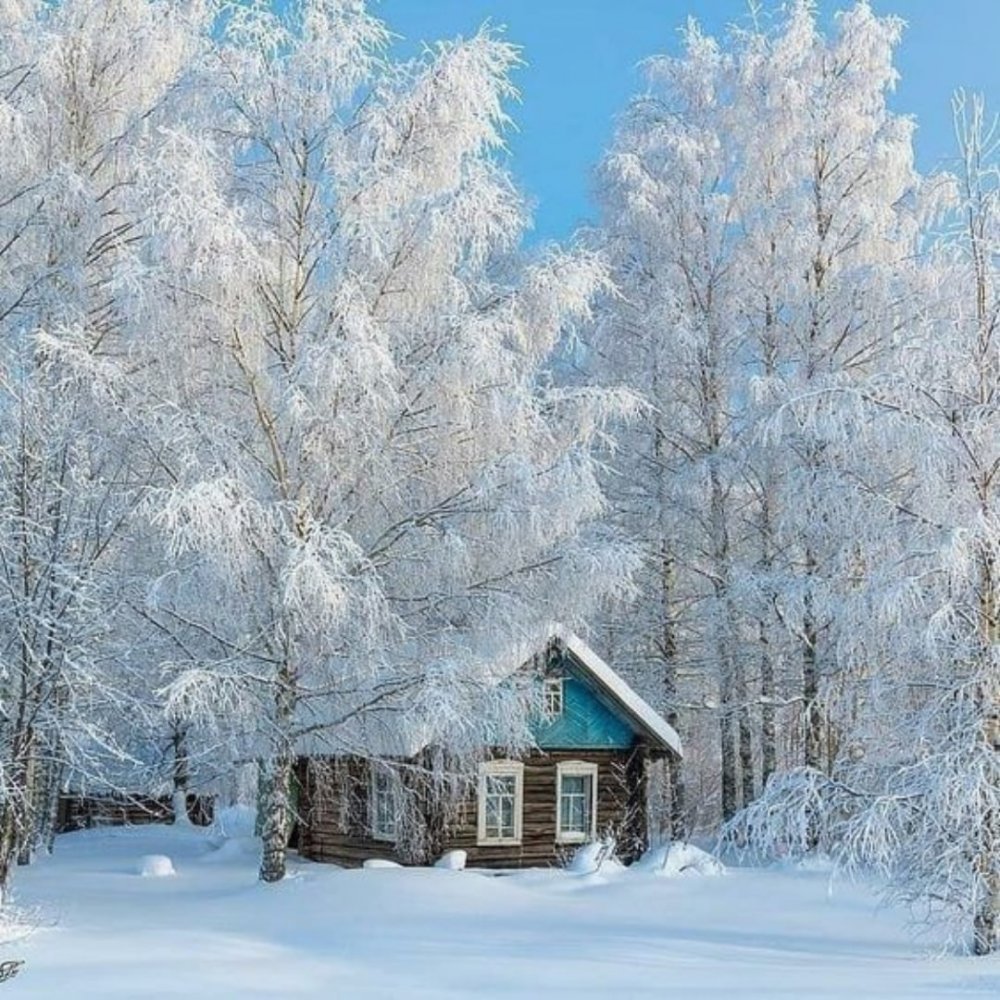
[210,930]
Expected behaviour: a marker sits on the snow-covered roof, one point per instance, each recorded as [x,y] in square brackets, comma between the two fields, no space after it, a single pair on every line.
[392,732]
[638,710]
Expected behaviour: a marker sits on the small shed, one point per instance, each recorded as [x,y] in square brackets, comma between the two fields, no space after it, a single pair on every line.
[586,778]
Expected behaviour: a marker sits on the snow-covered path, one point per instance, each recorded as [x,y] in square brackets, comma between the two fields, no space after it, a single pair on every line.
[211,931]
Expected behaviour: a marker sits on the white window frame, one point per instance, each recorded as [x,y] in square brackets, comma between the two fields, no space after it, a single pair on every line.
[500,769]
[383,773]
[576,769]
[553,691]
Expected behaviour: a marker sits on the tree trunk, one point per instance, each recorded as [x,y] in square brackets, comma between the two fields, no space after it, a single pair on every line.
[182,776]
[768,699]
[748,789]
[275,808]
[275,814]
[768,686]
[15,810]
[30,818]
[678,792]
[668,650]
[50,807]
[812,713]
[984,926]
[723,625]
[986,918]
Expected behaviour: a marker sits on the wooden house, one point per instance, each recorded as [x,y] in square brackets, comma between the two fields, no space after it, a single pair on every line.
[585,778]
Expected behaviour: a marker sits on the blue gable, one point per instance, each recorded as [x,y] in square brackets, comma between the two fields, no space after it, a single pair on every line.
[586,722]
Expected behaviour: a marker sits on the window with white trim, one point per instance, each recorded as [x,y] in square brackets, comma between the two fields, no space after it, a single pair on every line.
[576,802]
[552,697]
[383,803]
[501,798]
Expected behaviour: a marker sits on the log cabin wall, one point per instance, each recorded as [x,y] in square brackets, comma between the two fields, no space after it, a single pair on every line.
[538,847]
[333,821]
[330,832]
[78,812]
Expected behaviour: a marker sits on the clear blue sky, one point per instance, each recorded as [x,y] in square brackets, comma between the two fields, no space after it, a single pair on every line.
[581,68]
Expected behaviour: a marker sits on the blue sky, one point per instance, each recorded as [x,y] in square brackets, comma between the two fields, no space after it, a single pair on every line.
[581,68]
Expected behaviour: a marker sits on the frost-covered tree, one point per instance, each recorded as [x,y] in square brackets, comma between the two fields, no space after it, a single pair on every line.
[757,205]
[378,493]
[671,332]
[84,87]
[832,212]
[916,795]
[932,822]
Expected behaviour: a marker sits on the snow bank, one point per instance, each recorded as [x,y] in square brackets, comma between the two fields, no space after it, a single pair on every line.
[155,866]
[597,856]
[233,821]
[380,863]
[452,860]
[671,860]
[416,933]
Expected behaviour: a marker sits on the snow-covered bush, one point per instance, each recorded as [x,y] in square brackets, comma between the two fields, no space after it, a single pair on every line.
[452,860]
[672,860]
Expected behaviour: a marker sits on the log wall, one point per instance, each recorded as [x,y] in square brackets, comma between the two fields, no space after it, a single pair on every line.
[79,812]
[334,822]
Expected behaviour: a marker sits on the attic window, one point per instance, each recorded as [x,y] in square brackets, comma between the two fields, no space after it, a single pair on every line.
[552,697]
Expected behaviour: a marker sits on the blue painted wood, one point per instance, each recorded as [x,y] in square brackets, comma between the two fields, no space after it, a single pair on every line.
[587,722]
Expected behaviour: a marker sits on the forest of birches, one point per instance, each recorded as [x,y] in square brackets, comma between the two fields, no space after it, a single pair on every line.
[304,441]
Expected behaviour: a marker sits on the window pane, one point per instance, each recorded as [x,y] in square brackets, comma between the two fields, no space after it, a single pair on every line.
[552,701]
[576,791]
[507,817]
[500,801]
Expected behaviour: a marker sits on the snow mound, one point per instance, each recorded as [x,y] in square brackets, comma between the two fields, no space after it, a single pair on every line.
[234,821]
[671,860]
[597,856]
[452,860]
[381,863]
[156,866]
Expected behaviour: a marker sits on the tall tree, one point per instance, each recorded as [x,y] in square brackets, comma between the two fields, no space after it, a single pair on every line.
[668,228]
[379,492]
[930,818]
[756,210]
[916,795]
[84,88]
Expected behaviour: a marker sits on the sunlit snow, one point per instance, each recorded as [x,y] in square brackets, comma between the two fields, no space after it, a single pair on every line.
[214,931]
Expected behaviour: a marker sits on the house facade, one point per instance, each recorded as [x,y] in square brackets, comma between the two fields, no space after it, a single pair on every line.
[586,778]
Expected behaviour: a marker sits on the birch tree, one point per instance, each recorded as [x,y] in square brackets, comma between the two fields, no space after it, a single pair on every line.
[930,819]
[915,795]
[845,174]
[668,228]
[380,494]
[774,287]
[83,86]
